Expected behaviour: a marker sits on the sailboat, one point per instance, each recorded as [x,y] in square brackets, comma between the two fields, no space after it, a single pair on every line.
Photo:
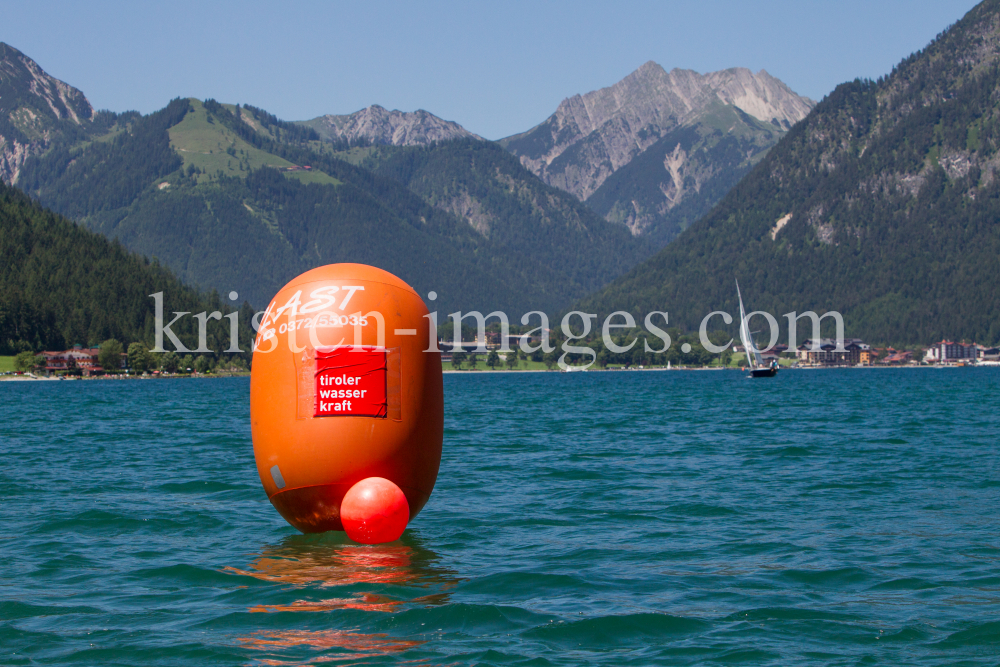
[754,362]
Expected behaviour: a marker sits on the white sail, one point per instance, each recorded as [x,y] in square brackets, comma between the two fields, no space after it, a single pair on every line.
[753,355]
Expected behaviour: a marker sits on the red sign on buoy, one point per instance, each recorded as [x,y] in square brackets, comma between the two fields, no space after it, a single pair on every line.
[350,381]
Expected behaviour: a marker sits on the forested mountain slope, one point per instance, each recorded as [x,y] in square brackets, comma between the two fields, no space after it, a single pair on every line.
[883,204]
[518,217]
[61,285]
[251,225]
[232,198]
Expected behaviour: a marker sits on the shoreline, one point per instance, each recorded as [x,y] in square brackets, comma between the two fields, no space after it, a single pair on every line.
[717,368]
[659,369]
[105,378]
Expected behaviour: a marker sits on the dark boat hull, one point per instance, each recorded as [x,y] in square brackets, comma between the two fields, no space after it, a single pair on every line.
[764,373]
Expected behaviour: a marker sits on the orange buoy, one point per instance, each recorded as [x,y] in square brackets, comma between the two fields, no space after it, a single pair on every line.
[343,389]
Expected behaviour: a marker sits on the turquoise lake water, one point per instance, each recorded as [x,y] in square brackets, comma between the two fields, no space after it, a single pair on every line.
[645,518]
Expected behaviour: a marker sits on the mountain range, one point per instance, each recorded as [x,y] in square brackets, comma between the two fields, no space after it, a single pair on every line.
[230,197]
[653,152]
[658,149]
[883,204]
[194,185]
[880,203]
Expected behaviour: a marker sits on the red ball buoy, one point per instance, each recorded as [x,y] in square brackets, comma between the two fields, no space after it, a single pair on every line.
[374,511]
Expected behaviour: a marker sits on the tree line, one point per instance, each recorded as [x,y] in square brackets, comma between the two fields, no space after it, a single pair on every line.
[61,285]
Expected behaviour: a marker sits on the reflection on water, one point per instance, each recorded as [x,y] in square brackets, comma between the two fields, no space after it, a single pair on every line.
[359,645]
[330,560]
[316,566]
[334,561]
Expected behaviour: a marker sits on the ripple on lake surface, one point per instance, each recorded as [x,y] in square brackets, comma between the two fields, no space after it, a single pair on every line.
[835,517]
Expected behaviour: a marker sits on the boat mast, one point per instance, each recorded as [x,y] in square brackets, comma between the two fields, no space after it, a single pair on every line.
[745,332]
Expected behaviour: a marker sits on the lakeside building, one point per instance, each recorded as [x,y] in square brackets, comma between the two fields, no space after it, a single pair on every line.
[448,346]
[984,353]
[514,340]
[948,351]
[771,354]
[494,341]
[824,352]
[897,358]
[78,358]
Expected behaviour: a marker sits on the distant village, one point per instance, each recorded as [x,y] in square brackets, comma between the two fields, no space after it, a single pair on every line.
[84,361]
[855,352]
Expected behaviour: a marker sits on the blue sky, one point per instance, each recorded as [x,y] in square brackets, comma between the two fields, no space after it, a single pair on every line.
[496,68]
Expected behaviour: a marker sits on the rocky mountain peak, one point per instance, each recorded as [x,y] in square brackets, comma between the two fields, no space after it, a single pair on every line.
[21,79]
[760,95]
[593,136]
[648,102]
[33,105]
[378,125]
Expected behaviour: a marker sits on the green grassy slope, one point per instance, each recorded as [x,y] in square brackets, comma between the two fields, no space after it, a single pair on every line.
[212,148]
[193,185]
[252,233]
